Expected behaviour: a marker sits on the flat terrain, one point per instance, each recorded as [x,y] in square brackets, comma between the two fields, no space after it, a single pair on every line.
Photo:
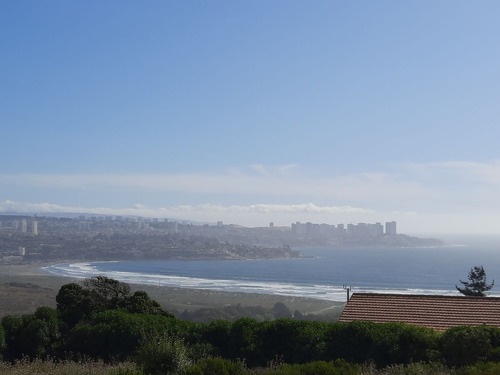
[23,288]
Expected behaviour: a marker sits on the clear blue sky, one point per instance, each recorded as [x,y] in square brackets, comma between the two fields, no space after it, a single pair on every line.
[256,111]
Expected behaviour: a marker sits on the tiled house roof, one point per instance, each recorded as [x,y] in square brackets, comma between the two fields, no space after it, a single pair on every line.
[438,312]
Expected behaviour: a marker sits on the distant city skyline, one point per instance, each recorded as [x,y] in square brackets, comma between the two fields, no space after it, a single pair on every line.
[19,223]
[254,112]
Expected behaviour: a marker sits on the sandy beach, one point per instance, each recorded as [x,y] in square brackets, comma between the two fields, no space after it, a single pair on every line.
[25,287]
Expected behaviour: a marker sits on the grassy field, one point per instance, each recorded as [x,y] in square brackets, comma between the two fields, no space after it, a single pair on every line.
[99,368]
[67,368]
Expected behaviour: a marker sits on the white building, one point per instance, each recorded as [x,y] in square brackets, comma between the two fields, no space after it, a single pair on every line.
[34,228]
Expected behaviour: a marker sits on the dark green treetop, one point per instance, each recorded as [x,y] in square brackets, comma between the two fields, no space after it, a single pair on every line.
[101,293]
[476,286]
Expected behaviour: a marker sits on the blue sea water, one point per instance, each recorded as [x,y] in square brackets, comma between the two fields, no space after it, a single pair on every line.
[322,275]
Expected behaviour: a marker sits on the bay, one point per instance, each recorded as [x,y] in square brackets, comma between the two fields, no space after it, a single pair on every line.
[321,275]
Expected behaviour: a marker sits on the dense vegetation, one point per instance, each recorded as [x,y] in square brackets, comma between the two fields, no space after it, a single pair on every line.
[101,324]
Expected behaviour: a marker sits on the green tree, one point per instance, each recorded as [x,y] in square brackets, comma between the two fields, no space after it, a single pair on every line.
[281,311]
[74,303]
[476,286]
[32,335]
[141,303]
[101,293]
[106,292]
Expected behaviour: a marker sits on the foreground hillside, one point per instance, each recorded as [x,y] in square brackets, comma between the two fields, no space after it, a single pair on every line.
[117,331]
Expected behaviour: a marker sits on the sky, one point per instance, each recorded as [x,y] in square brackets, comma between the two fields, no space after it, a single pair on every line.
[251,112]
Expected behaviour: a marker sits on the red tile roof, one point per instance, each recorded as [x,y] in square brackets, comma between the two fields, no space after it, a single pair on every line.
[438,312]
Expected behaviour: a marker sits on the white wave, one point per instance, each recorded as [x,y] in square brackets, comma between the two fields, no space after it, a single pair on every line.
[317,291]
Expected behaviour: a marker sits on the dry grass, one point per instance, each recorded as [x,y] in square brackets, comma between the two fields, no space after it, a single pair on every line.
[39,367]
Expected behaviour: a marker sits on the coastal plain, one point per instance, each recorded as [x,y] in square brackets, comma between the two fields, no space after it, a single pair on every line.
[25,287]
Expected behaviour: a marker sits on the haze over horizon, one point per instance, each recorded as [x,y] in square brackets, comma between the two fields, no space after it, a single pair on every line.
[254,112]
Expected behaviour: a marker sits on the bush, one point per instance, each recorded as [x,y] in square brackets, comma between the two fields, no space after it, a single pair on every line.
[417,344]
[382,343]
[217,334]
[2,340]
[124,371]
[466,345]
[217,366]
[116,334]
[353,341]
[111,335]
[292,341]
[32,335]
[160,354]
[481,368]
[244,341]
[337,367]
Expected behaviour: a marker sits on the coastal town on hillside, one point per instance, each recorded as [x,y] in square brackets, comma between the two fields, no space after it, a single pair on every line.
[46,238]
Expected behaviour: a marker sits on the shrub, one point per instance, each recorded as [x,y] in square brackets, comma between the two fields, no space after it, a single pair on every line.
[160,354]
[382,343]
[417,344]
[466,345]
[217,366]
[483,368]
[30,335]
[217,334]
[116,334]
[125,371]
[337,367]
[244,341]
[2,340]
[353,341]
[292,341]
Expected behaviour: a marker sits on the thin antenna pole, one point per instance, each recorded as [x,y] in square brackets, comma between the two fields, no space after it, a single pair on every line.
[348,289]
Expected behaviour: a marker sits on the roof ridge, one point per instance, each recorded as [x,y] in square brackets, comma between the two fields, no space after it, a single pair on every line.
[422,295]
[432,311]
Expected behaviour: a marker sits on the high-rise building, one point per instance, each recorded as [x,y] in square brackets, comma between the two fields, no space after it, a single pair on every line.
[24,226]
[83,225]
[390,227]
[375,230]
[34,228]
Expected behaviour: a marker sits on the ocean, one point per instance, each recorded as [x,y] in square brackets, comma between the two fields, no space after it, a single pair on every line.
[321,275]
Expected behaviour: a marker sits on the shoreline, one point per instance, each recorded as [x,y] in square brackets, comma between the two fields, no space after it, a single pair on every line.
[25,287]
